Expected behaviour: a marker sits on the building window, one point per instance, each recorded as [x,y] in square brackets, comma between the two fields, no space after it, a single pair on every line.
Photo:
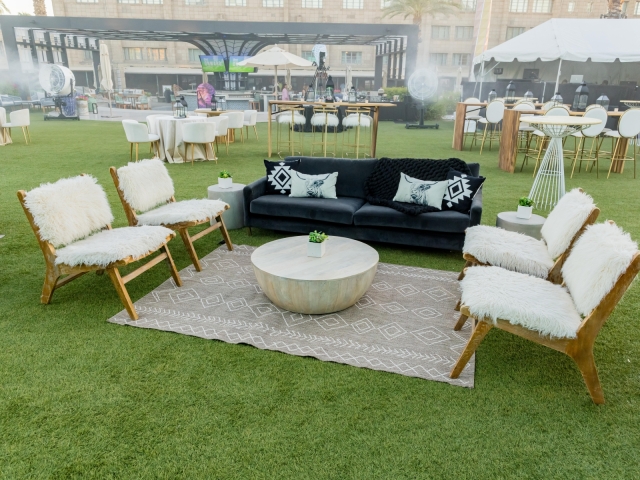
[460,59]
[235,3]
[464,33]
[153,2]
[88,55]
[311,3]
[194,55]
[514,32]
[128,1]
[308,55]
[194,2]
[385,3]
[352,58]
[636,10]
[590,6]
[132,53]
[542,6]
[86,1]
[468,5]
[157,54]
[273,3]
[518,6]
[439,33]
[571,6]
[438,58]
[353,4]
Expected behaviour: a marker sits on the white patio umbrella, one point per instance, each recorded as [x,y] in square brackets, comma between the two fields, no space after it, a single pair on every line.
[106,83]
[275,57]
[348,83]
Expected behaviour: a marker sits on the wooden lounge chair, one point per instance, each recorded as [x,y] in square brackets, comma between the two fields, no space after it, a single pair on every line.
[146,187]
[74,213]
[601,266]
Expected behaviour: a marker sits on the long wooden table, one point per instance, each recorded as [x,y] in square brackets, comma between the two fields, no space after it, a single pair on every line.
[373,106]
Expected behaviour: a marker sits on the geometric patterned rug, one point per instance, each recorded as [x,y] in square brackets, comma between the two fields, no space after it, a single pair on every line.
[403,324]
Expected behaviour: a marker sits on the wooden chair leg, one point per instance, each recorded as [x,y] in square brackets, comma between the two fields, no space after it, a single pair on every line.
[484,136]
[136,152]
[225,233]
[184,233]
[50,280]
[461,321]
[466,265]
[193,155]
[172,267]
[24,132]
[457,307]
[587,366]
[479,332]
[28,133]
[131,152]
[115,277]
[255,130]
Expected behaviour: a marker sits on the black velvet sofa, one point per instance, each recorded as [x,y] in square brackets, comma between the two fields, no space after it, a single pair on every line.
[350,215]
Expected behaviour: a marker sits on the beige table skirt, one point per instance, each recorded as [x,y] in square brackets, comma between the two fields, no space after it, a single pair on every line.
[169,129]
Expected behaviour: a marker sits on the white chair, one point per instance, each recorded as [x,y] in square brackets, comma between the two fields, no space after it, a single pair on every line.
[593,132]
[236,121]
[199,133]
[147,195]
[138,133]
[290,117]
[4,131]
[250,120]
[471,118]
[628,129]
[494,115]
[19,118]
[71,220]
[222,130]
[524,130]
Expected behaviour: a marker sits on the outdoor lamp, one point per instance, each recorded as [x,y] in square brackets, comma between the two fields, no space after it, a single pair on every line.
[353,95]
[581,97]
[328,96]
[529,95]
[604,101]
[330,84]
[557,99]
[510,96]
[492,95]
[311,94]
[179,110]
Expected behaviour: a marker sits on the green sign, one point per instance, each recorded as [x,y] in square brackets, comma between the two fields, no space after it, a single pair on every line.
[212,63]
[234,67]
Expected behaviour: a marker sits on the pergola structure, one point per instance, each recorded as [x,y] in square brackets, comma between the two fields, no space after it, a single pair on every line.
[396,41]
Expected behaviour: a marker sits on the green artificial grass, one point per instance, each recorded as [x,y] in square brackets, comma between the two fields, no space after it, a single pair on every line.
[82,398]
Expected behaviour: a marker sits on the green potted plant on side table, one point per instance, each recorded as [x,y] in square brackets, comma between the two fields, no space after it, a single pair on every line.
[316,244]
[525,208]
[225,180]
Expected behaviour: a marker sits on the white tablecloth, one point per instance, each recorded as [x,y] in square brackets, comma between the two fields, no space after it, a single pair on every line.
[169,129]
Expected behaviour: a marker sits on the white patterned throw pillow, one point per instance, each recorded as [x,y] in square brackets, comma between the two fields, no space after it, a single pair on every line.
[420,192]
[313,186]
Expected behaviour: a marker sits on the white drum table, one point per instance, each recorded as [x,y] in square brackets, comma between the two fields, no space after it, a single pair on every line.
[548,186]
[169,129]
[311,285]
[234,196]
[531,226]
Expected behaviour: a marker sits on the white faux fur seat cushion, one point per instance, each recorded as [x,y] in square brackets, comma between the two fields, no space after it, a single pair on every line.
[184,211]
[69,209]
[596,262]
[564,221]
[510,250]
[318,120]
[145,184]
[110,246]
[354,119]
[531,302]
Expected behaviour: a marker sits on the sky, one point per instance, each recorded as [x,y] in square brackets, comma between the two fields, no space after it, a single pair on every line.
[17,6]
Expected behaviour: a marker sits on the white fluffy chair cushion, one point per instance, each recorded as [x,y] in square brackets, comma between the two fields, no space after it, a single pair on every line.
[145,184]
[285,117]
[510,250]
[184,211]
[531,302]
[69,209]
[353,120]
[598,258]
[565,220]
[318,120]
[111,246]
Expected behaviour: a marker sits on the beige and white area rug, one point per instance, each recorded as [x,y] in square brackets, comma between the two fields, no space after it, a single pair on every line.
[403,324]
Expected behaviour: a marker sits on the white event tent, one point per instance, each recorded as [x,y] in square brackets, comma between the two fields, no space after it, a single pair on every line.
[571,40]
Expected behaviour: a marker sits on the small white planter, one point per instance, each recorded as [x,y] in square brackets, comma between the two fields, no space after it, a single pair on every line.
[316,249]
[225,182]
[524,212]
[82,107]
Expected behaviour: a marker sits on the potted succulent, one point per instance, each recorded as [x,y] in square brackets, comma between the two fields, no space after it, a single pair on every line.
[525,208]
[316,245]
[225,180]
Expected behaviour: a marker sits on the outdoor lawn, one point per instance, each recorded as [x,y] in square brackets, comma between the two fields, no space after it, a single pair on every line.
[80,397]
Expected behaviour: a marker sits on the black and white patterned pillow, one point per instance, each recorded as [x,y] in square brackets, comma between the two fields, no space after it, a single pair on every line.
[279,176]
[460,191]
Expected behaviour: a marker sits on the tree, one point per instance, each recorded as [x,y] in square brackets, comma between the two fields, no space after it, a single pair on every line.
[3,7]
[39,8]
[418,9]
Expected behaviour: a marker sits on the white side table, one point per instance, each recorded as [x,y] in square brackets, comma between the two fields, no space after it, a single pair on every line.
[234,217]
[531,227]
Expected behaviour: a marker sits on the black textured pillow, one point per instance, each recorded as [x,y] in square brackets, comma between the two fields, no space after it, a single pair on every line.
[460,191]
[279,176]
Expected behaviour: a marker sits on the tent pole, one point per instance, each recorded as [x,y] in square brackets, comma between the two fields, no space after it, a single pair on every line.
[275,83]
[558,77]
[481,79]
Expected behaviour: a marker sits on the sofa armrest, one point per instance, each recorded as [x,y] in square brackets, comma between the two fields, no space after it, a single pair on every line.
[250,193]
[475,214]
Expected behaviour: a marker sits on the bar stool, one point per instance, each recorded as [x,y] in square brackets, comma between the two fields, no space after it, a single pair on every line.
[541,138]
[471,118]
[323,118]
[494,115]
[593,132]
[290,117]
[525,132]
[357,118]
[628,130]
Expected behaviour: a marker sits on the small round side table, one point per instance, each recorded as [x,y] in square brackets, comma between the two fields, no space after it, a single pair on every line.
[531,227]
[234,217]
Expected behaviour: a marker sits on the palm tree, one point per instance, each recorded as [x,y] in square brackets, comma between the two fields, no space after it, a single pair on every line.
[39,8]
[418,9]
[3,7]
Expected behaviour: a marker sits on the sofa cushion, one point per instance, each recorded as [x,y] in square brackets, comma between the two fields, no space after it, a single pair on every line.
[338,210]
[376,216]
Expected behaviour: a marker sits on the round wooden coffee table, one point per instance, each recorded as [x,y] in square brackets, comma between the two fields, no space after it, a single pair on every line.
[311,285]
